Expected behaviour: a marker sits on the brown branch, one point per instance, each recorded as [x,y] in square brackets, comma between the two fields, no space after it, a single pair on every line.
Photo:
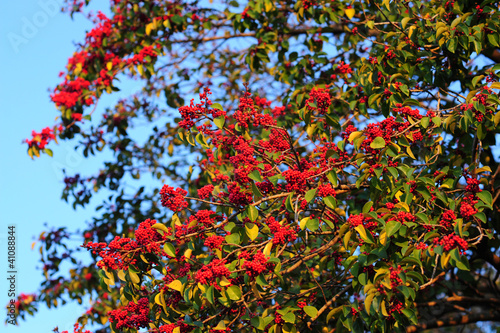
[461,299]
[455,320]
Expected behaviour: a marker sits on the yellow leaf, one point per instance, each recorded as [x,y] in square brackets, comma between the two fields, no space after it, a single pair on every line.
[256,291]
[354,135]
[78,68]
[483,169]
[362,232]
[224,281]
[383,237]
[349,12]
[134,277]
[267,249]
[121,275]
[252,230]
[160,226]
[176,220]
[384,310]
[402,205]
[176,285]
[110,276]
[158,299]
[221,326]
[188,253]
[347,237]
[149,27]
[410,153]
[177,330]
[303,223]
[109,65]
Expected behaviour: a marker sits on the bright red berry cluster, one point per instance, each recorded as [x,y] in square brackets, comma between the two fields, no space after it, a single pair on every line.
[281,234]
[173,198]
[319,100]
[134,315]
[208,273]
[450,242]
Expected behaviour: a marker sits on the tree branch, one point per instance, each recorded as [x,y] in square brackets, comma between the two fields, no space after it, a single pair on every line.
[457,319]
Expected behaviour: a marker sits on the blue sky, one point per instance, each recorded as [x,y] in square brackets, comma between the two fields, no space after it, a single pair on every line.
[36,40]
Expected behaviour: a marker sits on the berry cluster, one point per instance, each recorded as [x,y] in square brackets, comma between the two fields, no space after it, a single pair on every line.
[194,112]
[394,276]
[41,139]
[326,190]
[472,185]
[403,217]
[214,242]
[208,273]
[205,192]
[70,93]
[450,242]
[319,100]
[447,219]
[173,198]
[134,315]
[257,265]
[360,219]
[171,328]
[148,237]
[467,209]
[281,234]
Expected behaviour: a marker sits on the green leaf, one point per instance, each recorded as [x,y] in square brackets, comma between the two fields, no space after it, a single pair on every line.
[252,212]
[332,177]
[330,202]
[210,294]
[311,311]
[257,322]
[378,143]
[425,122]
[437,121]
[367,207]
[310,194]
[289,318]
[217,106]
[392,227]
[485,197]
[312,224]
[219,122]
[169,249]
[255,175]
[234,293]
[289,204]
[452,44]
[233,238]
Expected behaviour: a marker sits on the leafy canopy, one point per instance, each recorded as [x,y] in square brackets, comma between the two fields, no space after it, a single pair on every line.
[335,172]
